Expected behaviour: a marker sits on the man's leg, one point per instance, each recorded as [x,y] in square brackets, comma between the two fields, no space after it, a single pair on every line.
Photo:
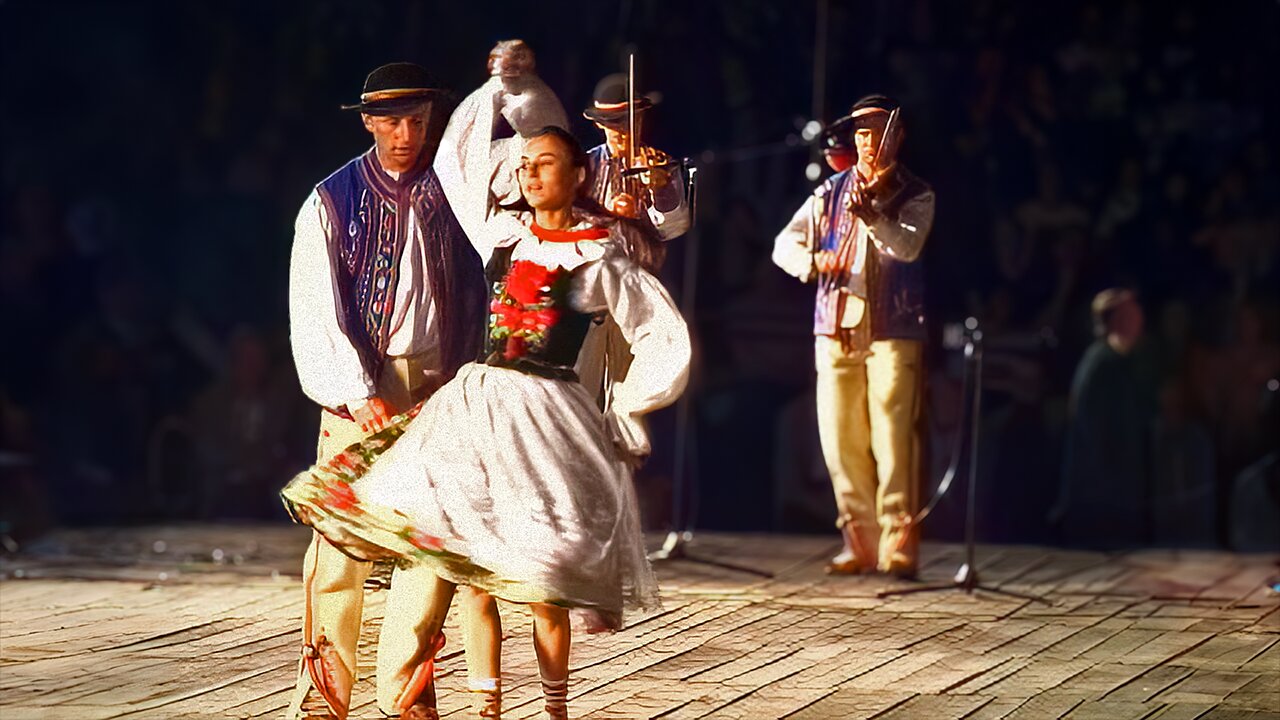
[417,604]
[334,600]
[893,390]
[844,432]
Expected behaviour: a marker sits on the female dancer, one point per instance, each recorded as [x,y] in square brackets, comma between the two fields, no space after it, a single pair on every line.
[509,479]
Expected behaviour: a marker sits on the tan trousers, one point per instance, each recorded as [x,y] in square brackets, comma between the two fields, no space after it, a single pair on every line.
[336,581]
[867,420]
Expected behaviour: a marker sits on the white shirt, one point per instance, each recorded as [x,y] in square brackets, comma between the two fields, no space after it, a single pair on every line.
[637,304]
[329,367]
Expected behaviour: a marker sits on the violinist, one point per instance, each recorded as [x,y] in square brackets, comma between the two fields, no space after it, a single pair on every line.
[630,179]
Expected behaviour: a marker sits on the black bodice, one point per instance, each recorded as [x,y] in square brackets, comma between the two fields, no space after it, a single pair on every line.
[532,327]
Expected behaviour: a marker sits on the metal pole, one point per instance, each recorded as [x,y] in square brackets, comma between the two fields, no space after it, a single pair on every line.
[818,110]
[679,485]
[631,110]
[975,422]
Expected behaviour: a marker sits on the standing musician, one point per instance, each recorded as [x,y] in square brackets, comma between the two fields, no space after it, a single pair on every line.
[630,179]
[860,235]
[642,185]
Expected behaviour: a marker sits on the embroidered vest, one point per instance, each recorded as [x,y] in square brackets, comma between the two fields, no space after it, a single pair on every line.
[893,290]
[370,228]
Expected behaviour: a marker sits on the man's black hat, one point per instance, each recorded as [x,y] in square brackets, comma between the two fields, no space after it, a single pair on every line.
[609,102]
[396,89]
[870,111]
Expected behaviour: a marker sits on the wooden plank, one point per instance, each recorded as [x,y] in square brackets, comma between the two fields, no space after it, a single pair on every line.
[996,708]
[852,703]
[221,641]
[1051,704]
[1267,661]
[1149,684]
[1108,710]
[1261,693]
[1181,711]
[941,707]
[1226,652]
[1206,686]
[951,671]
[1165,647]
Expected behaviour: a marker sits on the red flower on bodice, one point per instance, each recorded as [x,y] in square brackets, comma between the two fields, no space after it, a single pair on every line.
[528,283]
[524,310]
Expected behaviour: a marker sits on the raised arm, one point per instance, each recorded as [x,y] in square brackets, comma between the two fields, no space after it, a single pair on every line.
[464,163]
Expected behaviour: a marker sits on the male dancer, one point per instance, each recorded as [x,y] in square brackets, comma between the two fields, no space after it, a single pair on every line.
[860,236]
[386,302]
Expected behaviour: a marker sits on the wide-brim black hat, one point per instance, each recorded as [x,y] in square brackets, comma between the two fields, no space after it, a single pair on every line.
[609,104]
[870,111]
[397,89]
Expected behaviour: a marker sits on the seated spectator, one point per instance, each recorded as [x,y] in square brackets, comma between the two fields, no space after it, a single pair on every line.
[1103,497]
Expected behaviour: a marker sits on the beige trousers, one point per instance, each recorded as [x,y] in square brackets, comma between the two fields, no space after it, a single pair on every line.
[868,407]
[335,582]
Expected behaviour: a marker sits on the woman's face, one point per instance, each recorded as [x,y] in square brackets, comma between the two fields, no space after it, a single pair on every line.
[548,178]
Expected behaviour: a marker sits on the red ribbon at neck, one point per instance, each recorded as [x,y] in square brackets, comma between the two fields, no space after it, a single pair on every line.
[591,233]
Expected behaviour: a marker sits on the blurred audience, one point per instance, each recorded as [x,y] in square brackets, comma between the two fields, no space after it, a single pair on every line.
[1074,146]
[1104,496]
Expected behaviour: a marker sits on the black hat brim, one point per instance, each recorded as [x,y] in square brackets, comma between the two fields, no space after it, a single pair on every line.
[844,127]
[616,118]
[394,106]
[839,128]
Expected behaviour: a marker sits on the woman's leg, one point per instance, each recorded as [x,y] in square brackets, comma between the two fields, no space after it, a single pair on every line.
[482,637]
[551,643]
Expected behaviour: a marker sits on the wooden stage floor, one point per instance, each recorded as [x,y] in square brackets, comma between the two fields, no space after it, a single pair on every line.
[202,622]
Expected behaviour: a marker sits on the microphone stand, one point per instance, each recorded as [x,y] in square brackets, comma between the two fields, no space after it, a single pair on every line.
[682,521]
[966,577]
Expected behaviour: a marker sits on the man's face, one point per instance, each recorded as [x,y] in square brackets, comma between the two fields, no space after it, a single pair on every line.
[400,138]
[1129,321]
[867,143]
[548,178]
[616,137]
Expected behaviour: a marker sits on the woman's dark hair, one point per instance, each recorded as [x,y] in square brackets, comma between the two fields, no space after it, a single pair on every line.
[576,155]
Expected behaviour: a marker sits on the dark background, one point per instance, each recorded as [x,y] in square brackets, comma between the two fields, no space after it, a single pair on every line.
[155,155]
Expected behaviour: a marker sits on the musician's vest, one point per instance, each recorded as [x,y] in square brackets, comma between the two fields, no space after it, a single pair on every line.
[893,290]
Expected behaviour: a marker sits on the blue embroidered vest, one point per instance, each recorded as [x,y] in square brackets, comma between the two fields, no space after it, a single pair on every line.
[370,214]
[893,290]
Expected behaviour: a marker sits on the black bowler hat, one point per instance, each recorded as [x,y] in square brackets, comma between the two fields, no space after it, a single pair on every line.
[870,111]
[396,89]
[609,102]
